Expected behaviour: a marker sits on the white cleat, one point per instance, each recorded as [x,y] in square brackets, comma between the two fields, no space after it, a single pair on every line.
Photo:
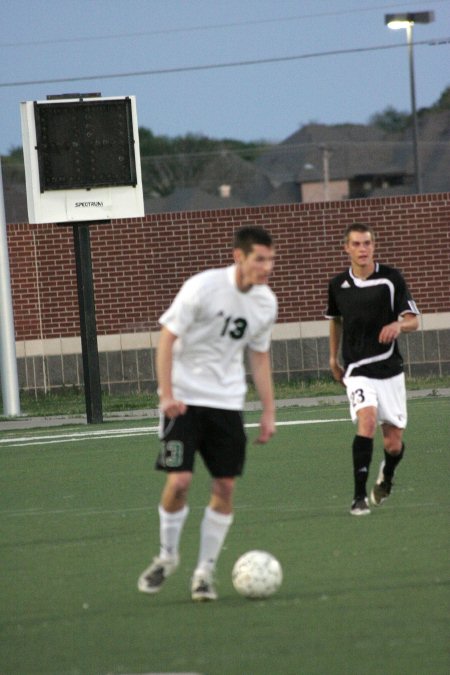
[155,575]
[202,587]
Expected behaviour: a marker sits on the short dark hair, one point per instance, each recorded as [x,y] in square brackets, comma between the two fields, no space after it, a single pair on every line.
[246,237]
[358,227]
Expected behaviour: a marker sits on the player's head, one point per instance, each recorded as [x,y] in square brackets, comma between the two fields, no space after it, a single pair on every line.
[359,244]
[358,227]
[254,256]
[246,237]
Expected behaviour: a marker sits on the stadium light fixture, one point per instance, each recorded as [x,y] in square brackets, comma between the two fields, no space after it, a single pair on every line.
[407,20]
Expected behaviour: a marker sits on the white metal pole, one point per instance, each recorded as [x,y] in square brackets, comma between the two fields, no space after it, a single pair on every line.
[8,361]
[417,167]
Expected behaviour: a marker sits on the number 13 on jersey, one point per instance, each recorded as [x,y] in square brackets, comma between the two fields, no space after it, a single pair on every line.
[235,328]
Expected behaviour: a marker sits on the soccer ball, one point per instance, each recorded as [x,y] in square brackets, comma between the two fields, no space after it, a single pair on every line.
[257,574]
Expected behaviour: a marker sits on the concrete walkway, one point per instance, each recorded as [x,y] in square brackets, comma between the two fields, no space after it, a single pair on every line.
[25,422]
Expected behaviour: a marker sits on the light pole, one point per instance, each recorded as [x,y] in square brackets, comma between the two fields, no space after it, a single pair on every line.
[407,20]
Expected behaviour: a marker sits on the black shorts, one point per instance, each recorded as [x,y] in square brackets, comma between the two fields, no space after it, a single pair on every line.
[218,435]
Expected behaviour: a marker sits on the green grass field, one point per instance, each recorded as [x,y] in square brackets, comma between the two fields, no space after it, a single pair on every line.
[360,595]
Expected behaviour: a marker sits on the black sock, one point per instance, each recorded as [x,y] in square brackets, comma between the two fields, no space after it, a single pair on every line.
[391,461]
[362,455]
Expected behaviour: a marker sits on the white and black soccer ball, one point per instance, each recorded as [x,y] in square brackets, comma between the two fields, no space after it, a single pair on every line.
[257,574]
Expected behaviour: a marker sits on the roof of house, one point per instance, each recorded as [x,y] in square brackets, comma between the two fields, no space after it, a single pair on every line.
[189,199]
[247,181]
[358,150]
[286,193]
[434,139]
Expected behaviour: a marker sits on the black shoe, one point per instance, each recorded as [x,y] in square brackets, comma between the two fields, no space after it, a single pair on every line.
[360,507]
[382,488]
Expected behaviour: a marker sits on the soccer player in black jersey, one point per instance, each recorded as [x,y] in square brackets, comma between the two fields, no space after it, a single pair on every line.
[369,305]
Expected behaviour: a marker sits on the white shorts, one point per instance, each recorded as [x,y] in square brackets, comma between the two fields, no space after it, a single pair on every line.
[387,396]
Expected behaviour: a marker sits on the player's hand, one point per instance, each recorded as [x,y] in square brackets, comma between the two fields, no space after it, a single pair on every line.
[171,407]
[266,427]
[389,333]
[338,372]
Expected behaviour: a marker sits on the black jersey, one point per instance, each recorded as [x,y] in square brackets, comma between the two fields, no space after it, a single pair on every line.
[365,306]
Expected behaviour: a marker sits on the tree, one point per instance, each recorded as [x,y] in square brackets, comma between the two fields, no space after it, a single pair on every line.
[168,163]
[444,101]
[13,166]
[391,120]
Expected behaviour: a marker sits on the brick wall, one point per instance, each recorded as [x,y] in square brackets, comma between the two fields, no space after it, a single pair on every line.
[139,264]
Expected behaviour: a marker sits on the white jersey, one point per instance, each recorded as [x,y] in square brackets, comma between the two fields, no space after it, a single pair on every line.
[214,321]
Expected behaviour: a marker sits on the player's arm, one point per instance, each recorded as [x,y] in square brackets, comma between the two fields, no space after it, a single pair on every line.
[167,404]
[262,377]
[407,323]
[335,341]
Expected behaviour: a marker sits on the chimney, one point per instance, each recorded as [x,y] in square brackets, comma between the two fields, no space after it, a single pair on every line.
[225,191]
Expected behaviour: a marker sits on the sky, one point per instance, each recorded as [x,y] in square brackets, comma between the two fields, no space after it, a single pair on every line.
[250,70]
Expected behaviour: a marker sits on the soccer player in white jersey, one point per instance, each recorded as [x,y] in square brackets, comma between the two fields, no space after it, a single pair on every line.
[202,385]
[369,306]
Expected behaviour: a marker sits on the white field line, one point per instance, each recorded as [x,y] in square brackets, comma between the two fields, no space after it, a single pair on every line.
[123,512]
[74,436]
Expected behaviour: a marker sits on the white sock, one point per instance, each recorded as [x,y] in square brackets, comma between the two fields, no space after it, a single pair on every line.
[213,530]
[170,528]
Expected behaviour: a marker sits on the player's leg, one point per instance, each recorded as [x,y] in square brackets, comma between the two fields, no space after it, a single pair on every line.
[362,450]
[363,408]
[394,449]
[223,451]
[173,512]
[393,415]
[217,520]
[176,458]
